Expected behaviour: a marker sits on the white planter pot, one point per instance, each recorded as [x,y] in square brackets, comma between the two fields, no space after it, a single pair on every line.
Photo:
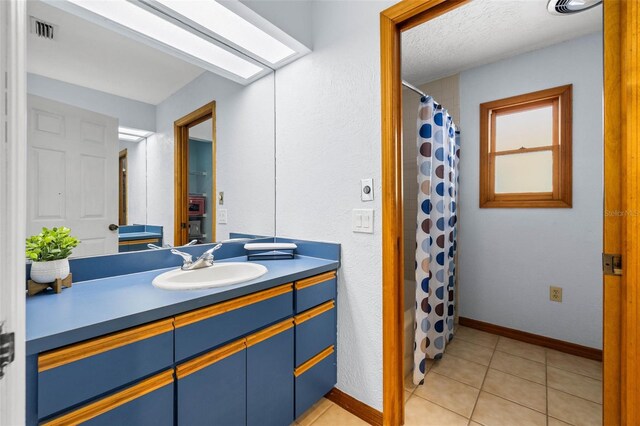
[47,272]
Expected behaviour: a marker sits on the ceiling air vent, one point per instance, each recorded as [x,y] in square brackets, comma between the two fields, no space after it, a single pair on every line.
[43,29]
[568,7]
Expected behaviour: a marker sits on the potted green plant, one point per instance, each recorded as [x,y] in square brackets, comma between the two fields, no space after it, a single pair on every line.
[49,251]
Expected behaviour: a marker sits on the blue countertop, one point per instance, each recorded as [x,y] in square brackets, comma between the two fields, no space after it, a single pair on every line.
[101,306]
[127,236]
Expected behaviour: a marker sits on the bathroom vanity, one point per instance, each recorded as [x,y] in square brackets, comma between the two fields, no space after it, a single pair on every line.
[116,350]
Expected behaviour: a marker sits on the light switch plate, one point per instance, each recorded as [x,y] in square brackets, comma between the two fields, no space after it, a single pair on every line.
[222,216]
[363,221]
[366,189]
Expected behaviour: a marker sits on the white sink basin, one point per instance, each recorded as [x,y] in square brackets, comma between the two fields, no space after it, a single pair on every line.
[218,275]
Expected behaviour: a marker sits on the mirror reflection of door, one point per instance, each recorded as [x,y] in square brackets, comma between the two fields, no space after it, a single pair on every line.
[201,181]
[72,158]
[122,184]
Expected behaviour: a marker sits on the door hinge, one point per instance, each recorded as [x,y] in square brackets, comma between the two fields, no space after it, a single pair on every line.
[611,264]
[7,350]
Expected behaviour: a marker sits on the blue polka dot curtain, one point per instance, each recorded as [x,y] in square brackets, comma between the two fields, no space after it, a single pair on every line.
[436,233]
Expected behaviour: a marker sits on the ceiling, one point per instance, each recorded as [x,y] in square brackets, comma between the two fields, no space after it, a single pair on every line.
[485,31]
[91,56]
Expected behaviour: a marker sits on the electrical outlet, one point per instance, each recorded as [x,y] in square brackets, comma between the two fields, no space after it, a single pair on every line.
[555,294]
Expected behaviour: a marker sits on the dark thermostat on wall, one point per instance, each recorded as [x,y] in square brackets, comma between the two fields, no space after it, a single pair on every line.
[366,189]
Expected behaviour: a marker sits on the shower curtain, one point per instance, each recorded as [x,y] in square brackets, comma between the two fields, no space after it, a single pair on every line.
[436,232]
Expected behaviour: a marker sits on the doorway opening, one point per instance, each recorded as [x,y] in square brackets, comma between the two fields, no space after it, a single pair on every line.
[195,182]
[123,193]
[618,31]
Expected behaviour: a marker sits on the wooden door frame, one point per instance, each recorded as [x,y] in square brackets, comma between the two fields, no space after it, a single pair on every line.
[123,154]
[181,176]
[621,298]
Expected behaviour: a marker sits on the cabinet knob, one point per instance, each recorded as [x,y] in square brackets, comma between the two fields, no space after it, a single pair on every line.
[113,227]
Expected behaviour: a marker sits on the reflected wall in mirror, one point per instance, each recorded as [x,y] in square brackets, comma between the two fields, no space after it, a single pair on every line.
[101,143]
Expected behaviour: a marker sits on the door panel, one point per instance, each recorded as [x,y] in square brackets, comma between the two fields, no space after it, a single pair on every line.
[72,157]
[270,381]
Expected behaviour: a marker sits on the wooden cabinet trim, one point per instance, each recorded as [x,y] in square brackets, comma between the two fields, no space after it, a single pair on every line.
[203,361]
[313,361]
[230,305]
[307,282]
[111,402]
[269,332]
[134,242]
[314,312]
[68,354]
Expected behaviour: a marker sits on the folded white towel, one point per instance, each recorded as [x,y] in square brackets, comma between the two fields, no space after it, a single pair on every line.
[269,246]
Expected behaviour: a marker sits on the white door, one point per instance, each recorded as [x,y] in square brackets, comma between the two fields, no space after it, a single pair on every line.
[73,174]
[12,204]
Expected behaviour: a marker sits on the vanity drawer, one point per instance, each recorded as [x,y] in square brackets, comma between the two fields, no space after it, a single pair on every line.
[79,372]
[313,291]
[314,379]
[203,329]
[149,402]
[315,331]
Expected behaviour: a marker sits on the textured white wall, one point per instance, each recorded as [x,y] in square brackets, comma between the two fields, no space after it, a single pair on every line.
[509,257]
[328,138]
[136,181]
[245,153]
[129,113]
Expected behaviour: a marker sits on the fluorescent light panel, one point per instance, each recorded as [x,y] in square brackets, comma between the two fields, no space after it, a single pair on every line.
[225,23]
[129,138]
[150,25]
[134,132]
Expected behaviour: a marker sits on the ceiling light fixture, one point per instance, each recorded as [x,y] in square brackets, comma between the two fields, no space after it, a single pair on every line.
[151,26]
[128,134]
[215,17]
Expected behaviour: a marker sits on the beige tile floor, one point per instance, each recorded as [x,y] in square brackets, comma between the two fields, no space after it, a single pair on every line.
[487,380]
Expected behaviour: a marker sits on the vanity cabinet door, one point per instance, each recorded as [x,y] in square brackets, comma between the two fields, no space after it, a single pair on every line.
[270,376]
[313,291]
[147,403]
[212,388]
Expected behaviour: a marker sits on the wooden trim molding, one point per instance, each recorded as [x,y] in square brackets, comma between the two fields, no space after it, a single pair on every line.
[269,332]
[230,305]
[76,352]
[399,17]
[111,402]
[134,242]
[355,407]
[313,361]
[314,312]
[197,364]
[308,282]
[536,339]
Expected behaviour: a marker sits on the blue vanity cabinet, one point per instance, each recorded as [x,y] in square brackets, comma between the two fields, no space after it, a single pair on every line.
[270,393]
[315,339]
[77,373]
[200,330]
[147,403]
[212,388]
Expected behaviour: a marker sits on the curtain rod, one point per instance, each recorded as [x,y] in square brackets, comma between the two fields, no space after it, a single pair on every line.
[414,88]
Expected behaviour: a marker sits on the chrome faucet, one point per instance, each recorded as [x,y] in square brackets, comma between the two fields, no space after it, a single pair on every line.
[204,261]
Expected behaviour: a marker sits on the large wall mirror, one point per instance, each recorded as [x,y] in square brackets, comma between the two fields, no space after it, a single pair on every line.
[104,110]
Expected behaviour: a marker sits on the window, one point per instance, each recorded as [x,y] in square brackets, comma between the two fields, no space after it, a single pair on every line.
[525,150]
